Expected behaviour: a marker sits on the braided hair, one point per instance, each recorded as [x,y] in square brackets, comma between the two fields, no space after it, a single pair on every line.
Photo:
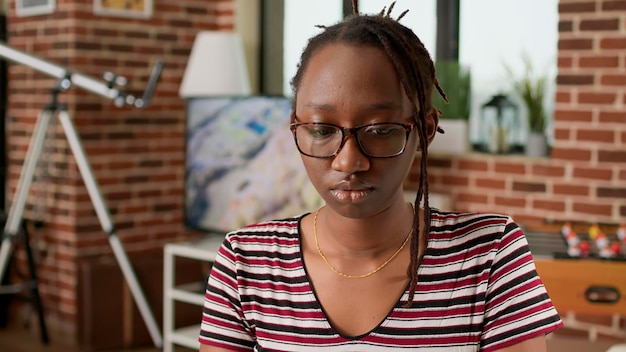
[416,72]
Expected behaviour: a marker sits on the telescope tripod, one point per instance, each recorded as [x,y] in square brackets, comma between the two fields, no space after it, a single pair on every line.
[14,219]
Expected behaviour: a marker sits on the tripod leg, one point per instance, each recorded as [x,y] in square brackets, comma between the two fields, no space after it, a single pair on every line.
[34,287]
[105,222]
[23,186]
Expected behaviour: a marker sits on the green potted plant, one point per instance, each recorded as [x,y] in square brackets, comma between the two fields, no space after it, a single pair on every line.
[455,80]
[531,89]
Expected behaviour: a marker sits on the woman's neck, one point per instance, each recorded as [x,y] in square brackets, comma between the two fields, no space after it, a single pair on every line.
[366,236]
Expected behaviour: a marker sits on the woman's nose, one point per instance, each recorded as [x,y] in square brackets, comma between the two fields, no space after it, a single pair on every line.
[350,158]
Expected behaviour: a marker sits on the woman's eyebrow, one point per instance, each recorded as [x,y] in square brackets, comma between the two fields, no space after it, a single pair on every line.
[374,107]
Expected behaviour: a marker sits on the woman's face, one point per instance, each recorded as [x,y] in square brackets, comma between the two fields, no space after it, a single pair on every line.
[350,86]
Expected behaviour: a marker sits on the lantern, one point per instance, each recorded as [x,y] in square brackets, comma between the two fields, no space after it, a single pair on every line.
[500,128]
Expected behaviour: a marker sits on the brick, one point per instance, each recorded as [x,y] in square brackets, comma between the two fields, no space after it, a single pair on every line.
[593,209]
[549,205]
[622,174]
[574,80]
[615,5]
[472,198]
[590,173]
[613,80]
[611,192]
[575,44]
[565,62]
[572,154]
[612,156]
[566,26]
[473,165]
[612,117]
[455,180]
[597,98]
[491,183]
[518,202]
[547,170]
[562,134]
[622,210]
[563,97]
[510,168]
[577,7]
[530,187]
[613,43]
[599,25]
[599,136]
[573,115]
[611,61]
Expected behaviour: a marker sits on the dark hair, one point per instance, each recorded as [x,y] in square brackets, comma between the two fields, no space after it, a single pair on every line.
[416,72]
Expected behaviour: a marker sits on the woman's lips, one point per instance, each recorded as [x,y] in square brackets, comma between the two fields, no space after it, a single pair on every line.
[351,193]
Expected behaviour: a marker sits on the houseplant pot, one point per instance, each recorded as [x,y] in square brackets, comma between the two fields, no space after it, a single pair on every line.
[536,145]
[455,80]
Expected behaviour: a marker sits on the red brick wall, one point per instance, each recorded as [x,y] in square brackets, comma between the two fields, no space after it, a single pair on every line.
[137,156]
[584,179]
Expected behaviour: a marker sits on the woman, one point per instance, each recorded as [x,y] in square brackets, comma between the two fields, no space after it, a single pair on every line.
[369,272]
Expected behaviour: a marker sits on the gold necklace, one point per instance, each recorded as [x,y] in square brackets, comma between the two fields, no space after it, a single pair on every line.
[379,268]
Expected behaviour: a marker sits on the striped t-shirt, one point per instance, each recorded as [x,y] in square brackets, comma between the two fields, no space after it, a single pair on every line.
[477,291]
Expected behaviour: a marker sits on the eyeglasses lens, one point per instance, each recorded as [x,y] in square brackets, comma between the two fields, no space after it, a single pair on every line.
[378,140]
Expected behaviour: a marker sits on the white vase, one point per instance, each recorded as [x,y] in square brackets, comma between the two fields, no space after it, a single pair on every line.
[536,145]
[455,139]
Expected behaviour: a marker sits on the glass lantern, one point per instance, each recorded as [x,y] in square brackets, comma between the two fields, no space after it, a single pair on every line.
[500,127]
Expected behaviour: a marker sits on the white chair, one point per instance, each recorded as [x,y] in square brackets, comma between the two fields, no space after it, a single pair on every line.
[617,348]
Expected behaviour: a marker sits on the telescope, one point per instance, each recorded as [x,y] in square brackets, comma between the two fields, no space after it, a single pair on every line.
[108,88]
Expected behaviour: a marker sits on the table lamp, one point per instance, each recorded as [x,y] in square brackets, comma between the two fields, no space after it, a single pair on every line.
[216,67]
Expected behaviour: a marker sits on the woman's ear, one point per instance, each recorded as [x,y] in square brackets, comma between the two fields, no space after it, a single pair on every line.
[432,124]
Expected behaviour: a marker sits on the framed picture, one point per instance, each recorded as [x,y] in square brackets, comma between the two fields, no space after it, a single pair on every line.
[242,165]
[124,8]
[34,7]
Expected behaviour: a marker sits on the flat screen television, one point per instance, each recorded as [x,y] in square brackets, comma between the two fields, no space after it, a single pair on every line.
[242,165]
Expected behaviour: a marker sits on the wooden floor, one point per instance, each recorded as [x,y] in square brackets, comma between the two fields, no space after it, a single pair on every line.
[22,340]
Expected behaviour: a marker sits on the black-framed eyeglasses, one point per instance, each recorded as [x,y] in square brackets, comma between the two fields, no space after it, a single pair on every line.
[377,140]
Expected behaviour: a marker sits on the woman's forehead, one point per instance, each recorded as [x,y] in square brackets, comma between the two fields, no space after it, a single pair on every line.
[351,76]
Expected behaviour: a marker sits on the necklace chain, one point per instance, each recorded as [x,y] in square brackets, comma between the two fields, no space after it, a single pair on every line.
[379,268]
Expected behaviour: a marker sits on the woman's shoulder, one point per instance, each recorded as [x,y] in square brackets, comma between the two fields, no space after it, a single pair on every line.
[275,231]
[460,219]
[470,225]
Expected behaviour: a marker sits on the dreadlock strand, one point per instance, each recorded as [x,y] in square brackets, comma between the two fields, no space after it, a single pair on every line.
[415,258]
[402,15]
[393,4]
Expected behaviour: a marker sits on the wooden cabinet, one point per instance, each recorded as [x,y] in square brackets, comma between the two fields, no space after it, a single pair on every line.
[581,286]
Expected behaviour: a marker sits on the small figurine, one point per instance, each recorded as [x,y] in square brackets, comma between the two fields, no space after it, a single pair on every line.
[616,249]
[566,229]
[593,231]
[584,248]
[573,242]
[621,233]
[602,243]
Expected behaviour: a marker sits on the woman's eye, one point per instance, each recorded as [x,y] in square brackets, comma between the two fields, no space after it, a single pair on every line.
[382,130]
[321,131]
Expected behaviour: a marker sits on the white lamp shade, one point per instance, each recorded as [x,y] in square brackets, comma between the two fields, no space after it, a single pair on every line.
[216,66]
